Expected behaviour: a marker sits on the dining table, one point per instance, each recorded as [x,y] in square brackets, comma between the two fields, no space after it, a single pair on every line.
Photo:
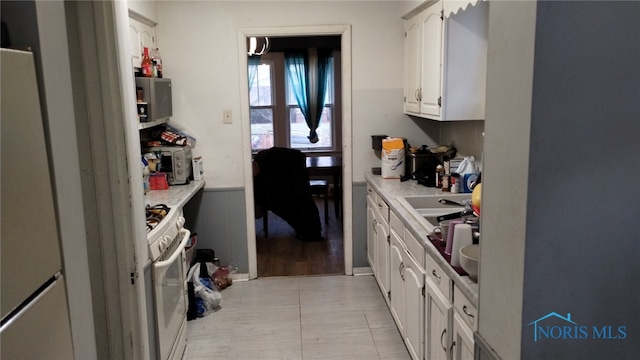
[328,165]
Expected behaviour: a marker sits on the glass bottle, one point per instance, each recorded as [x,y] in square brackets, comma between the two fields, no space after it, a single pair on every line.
[439,173]
[146,65]
[157,63]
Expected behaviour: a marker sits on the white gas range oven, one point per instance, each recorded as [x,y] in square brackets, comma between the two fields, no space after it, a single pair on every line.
[166,272]
[167,238]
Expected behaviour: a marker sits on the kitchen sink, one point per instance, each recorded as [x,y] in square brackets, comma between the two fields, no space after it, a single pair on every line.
[431,201]
[426,208]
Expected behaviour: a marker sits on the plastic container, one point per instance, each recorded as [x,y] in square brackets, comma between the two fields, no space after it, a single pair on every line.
[190,248]
[461,237]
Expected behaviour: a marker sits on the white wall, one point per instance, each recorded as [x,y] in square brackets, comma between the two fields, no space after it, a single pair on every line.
[145,8]
[198,43]
[506,169]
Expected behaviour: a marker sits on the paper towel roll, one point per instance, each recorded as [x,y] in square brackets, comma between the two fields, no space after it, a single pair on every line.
[461,237]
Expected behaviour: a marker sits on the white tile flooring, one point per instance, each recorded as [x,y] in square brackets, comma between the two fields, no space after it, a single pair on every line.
[316,317]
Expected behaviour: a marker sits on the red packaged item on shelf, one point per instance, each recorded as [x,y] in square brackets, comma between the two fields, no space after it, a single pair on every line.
[158,181]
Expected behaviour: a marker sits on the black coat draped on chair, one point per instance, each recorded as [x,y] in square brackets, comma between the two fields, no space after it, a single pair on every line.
[282,187]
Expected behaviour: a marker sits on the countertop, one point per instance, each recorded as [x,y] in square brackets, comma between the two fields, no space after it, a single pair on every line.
[389,190]
[174,197]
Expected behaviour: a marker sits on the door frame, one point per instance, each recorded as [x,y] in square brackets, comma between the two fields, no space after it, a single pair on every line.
[344,31]
[116,240]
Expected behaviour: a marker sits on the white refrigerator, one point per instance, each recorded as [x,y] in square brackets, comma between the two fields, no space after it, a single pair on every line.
[35,316]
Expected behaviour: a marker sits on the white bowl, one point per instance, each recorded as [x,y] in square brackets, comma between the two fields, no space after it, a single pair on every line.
[469,259]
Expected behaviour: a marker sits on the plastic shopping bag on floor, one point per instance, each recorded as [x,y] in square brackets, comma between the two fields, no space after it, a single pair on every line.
[206,294]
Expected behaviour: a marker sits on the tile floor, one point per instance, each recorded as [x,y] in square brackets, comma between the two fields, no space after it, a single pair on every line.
[315,317]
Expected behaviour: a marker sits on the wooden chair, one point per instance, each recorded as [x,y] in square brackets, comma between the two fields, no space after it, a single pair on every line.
[321,187]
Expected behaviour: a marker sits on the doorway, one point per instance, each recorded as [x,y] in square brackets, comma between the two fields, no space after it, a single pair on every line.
[344,31]
[277,120]
[284,254]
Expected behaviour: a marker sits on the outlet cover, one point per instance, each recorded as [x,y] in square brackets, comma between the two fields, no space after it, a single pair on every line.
[226,116]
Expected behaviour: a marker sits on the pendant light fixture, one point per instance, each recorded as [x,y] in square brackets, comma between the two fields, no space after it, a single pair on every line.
[258,45]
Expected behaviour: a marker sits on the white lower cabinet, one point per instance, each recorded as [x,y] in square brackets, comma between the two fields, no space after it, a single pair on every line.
[414,306]
[438,322]
[378,239]
[382,241]
[435,319]
[465,322]
[438,311]
[462,345]
[371,231]
[396,283]
[407,295]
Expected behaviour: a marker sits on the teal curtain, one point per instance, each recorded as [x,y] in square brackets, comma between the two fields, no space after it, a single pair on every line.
[310,95]
[324,72]
[253,62]
[296,64]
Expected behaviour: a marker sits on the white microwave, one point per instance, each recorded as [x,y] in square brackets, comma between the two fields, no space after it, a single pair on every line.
[156,92]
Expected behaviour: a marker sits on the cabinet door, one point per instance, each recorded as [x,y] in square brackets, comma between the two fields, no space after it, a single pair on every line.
[141,35]
[382,252]
[414,307]
[371,237]
[438,313]
[431,68]
[412,54]
[396,284]
[462,346]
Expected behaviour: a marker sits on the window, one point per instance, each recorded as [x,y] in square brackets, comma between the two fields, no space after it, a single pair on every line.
[298,128]
[261,105]
[276,118]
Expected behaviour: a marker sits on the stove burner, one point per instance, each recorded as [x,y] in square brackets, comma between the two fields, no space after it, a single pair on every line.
[155,214]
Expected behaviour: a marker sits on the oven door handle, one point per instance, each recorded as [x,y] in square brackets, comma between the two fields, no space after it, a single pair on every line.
[179,250]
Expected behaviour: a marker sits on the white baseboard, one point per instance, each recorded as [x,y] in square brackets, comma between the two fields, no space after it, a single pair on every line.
[240,277]
[357,271]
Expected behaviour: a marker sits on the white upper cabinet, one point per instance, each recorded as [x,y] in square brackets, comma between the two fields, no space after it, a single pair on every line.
[141,34]
[431,61]
[412,60]
[445,63]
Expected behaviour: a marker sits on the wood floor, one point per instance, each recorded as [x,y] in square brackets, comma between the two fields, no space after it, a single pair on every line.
[282,254]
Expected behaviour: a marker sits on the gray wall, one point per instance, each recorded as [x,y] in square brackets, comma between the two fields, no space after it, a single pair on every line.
[218,216]
[360,225]
[560,194]
[582,211]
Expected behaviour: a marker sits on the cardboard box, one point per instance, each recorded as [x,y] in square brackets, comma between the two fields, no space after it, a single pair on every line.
[198,168]
[451,166]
